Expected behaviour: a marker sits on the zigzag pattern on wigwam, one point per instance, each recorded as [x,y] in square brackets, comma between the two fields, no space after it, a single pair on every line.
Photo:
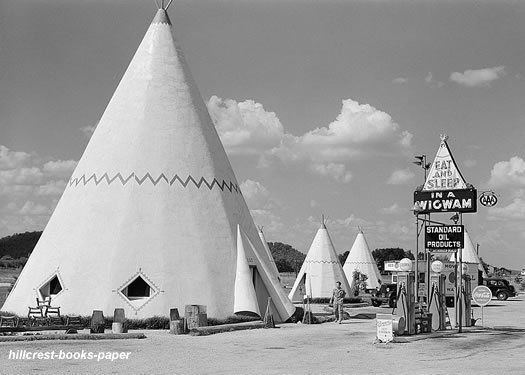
[147,177]
[322,261]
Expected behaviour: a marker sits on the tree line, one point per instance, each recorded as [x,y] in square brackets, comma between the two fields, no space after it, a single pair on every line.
[288,259]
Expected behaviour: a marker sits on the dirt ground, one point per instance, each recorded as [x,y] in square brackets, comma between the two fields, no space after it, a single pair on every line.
[297,349]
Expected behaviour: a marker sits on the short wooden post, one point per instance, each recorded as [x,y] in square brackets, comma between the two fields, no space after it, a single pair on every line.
[195,316]
[119,322]
[98,323]
[177,327]
[177,324]
[268,317]
[174,314]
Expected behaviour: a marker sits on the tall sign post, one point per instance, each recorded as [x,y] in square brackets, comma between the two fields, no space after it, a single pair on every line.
[445,191]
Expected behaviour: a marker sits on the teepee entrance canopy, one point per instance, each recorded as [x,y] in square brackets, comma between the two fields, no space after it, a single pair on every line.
[469,255]
[153,217]
[360,259]
[273,266]
[320,271]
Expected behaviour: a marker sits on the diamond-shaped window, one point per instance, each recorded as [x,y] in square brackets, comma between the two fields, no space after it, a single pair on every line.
[137,289]
[51,288]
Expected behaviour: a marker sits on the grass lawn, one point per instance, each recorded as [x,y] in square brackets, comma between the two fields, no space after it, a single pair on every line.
[7,276]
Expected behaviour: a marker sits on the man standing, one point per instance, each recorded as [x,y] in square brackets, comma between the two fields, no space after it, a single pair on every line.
[338,296]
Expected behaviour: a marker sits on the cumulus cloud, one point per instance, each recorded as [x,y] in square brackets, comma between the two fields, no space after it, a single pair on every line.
[245,127]
[51,188]
[394,209]
[271,222]
[256,195]
[478,77]
[433,83]
[21,176]
[29,189]
[508,173]
[60,168]
[399,80]
[88,130]
[32,208]
[359,131]
[513,211]
[335,171]
[12,159]
[469,163]
[401,177]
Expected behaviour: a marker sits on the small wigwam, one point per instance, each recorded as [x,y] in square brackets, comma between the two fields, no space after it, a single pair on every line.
[320,270]
[469,255]
[360,259]
[153,216]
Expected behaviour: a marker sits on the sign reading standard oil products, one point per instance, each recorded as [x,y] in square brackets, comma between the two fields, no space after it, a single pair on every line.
[444,238]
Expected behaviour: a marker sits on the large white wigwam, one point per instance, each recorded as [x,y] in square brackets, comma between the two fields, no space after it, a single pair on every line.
[320,271]
[469,254]
[360,258]
[152,217]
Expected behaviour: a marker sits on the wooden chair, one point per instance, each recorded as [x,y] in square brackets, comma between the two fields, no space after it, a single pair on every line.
[53,316]
[36,316]
[43,303]
[8,321]
[73,321]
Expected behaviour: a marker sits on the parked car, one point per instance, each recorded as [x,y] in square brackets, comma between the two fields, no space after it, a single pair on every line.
[500,288]
[522,273]
[385,295]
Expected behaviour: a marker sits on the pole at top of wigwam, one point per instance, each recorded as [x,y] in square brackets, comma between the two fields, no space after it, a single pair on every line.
[163,4]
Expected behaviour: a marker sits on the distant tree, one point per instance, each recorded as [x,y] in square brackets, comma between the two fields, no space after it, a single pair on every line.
[359,283]
[287,259]
[387,254]
[343,256]
[19,245]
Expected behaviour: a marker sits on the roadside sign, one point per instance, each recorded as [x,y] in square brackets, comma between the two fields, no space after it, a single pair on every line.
[488,199]
[444,173]
[463,200]
[384,326]
[481,295]
[445,238]
[393,266]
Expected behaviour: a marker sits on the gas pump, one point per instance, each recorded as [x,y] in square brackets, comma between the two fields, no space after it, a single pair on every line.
[405,306]
[437,305]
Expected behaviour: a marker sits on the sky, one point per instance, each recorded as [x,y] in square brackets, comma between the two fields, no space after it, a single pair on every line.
[321,106]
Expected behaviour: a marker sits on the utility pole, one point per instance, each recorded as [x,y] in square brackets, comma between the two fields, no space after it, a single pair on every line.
[421,160]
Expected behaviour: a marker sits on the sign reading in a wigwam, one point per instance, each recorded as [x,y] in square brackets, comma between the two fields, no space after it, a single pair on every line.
[445,189]
[464,200]
[444,238]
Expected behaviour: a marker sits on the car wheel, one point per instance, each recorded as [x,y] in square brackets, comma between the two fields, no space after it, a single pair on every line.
[376,303]
[502,296]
